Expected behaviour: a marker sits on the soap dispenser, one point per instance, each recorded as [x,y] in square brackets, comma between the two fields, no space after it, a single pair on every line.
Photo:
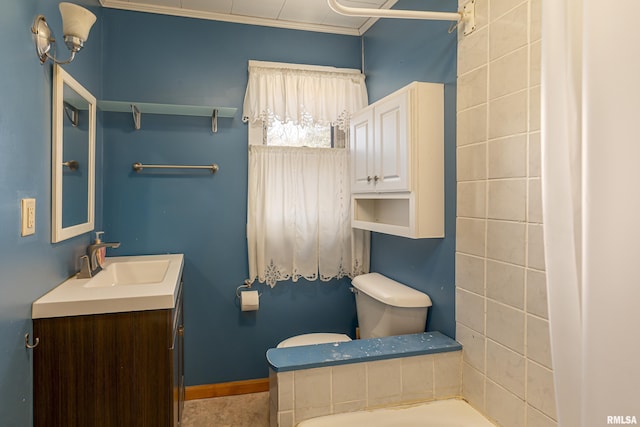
[101,253]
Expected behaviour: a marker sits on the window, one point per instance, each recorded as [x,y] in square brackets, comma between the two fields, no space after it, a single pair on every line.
[298,218]
[290,134]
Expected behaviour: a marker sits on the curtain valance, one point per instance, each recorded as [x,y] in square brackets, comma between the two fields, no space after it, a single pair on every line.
[302,94]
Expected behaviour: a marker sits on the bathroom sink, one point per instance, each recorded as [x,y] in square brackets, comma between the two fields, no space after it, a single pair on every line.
[126,283]
[129,273]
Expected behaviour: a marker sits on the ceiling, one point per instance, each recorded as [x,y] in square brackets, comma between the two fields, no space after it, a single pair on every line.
[310,15]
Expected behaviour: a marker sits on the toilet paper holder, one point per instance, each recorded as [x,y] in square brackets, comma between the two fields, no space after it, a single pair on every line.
[247,285]
[253,297]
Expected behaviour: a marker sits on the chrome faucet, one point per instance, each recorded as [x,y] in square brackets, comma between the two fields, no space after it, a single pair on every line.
[91,263]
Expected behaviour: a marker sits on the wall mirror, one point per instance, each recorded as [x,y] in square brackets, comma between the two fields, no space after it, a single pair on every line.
[73,157]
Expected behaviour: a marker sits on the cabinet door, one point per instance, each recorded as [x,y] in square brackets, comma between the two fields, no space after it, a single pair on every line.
[104,370]
[362,152]
[391,144]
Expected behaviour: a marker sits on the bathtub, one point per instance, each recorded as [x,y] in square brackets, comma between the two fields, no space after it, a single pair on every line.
[440,413]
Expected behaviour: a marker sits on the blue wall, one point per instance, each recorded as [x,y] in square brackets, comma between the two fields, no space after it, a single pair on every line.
[204,216]
[200,215]
[398,52]
[180,60]
[30,266]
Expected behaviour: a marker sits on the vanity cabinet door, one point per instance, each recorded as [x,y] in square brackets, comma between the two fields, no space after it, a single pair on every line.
[109,369]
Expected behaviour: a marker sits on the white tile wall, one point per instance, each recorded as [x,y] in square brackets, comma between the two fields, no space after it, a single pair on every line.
[534,154]
[473,386]
[472,201]
[472,125]
[537,293]
[470,310]
[470,236]
[506,241]
[538,419]
[534,213]
[366,385]
[447,373]
[538,341]
[506,325]
[508,115]
[507,199]
[349,383]
[472,162]
[535,246]
[509,74]
[508,157]
[473,343]
[506,368]
[472,51]
[501,299]
[508,32]
[312,388]
[499,7]
[505,283]
[418,377]
[384,382]
[503,406]
[474,89]
[540,389]
[468,268]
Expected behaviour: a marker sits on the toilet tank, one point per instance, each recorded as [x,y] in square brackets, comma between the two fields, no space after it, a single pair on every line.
[386,307]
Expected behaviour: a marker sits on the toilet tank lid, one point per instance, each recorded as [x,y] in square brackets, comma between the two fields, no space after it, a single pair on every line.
[390,292]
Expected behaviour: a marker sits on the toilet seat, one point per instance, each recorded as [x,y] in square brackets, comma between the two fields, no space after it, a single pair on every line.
[316,338]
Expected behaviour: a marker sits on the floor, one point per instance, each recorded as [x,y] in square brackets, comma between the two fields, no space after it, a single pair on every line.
[245,410]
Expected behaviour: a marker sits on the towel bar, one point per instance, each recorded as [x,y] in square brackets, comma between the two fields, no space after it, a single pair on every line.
[137,166]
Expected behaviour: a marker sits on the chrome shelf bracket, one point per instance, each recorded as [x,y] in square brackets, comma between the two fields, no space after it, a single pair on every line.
[214,121]
[136,116]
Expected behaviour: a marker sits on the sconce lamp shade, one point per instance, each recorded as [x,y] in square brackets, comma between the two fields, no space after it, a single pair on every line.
[76,20]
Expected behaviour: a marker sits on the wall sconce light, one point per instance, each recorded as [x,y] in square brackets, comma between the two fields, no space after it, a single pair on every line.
[76,24]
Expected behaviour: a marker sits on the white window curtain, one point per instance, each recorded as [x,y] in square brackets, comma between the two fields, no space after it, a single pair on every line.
[298,219]
[302,94]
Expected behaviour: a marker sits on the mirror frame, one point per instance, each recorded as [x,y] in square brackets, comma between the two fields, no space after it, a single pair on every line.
[58,233]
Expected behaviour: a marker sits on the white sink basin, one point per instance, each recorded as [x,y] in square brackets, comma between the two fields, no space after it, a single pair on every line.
[128,273]
[129,283]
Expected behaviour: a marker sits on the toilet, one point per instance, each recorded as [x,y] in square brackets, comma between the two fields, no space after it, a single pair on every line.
[384,308]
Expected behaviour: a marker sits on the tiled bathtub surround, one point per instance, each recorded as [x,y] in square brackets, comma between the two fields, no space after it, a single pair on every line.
[501,305]
[383,378]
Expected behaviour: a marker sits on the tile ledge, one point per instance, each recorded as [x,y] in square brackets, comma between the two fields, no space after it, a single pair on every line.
[357,351]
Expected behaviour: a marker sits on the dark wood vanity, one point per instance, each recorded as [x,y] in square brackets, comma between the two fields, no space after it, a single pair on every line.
[115,369]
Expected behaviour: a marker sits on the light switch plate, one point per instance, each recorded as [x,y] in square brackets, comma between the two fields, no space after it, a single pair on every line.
[28,216]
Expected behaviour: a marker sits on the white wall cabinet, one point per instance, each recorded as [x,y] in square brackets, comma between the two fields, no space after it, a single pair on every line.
[397,163]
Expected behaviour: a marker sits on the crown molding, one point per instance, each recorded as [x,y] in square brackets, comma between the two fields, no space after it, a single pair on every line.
[239,19]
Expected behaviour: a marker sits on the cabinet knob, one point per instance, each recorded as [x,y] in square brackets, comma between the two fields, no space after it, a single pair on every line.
[376,178]
[368,179]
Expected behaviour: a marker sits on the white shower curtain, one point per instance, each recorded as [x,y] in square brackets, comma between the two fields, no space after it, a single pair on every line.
[591,201]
